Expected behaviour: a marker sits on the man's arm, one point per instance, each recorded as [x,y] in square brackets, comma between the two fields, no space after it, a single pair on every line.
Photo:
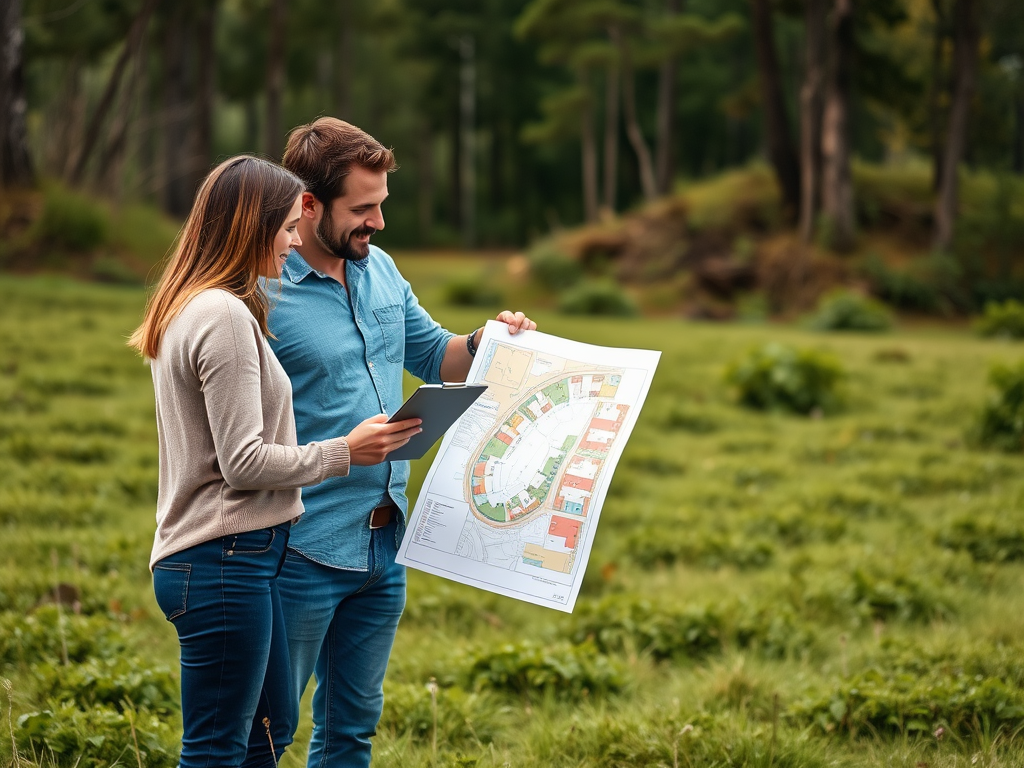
[457,360]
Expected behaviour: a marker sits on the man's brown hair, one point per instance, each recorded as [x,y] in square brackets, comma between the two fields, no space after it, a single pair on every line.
[323,152]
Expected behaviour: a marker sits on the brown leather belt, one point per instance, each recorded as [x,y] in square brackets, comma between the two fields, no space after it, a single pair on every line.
[382,515]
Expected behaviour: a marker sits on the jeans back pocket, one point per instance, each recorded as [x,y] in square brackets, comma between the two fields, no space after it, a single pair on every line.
[170,583]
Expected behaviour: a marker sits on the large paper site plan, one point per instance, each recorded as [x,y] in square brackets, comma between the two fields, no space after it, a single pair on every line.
[512,500]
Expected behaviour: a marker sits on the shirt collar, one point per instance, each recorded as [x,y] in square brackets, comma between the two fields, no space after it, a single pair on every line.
[296,269]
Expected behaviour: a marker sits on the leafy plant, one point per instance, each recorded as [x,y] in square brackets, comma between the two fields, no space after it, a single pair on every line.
[598,297]
[111,683]
[467,291]
[1001,423]
[552,269]
[528,667]
[781,378]
[71,220]
[848,311]
[1002,320]
[986,539]
[98,737]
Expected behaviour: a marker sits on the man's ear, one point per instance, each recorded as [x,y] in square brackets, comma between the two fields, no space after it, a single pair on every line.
[309,205]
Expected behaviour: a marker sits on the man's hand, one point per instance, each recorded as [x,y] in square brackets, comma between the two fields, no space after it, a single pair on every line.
[371,441]
[516,321]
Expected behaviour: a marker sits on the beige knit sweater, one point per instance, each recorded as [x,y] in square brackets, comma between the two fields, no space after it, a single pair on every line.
[228,456]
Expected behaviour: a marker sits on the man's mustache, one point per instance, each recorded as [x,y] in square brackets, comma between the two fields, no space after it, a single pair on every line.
[368,231]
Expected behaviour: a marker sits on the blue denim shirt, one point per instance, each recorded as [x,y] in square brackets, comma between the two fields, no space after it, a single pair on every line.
[344,353]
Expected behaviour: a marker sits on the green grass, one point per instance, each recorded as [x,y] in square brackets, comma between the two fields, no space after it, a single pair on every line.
[764,590]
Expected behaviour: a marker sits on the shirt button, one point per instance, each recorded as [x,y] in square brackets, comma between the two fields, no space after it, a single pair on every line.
[370,364]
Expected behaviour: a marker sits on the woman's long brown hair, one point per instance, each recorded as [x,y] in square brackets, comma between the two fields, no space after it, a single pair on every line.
[225,243]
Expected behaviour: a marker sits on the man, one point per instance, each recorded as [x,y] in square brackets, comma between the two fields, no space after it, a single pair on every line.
[347,325]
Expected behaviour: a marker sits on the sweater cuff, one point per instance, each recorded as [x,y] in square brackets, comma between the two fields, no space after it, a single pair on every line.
[335,457]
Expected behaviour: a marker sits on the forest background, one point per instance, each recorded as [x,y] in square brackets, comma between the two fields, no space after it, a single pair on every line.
[515,120]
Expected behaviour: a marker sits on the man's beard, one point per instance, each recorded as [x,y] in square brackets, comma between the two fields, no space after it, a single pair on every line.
[342,249]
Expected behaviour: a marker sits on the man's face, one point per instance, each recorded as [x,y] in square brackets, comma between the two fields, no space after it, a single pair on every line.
[348,221]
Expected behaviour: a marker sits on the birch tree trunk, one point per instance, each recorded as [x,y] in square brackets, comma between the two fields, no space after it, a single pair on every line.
[815,17]
[966,38]
[837,184]
[780,145]
[15,160]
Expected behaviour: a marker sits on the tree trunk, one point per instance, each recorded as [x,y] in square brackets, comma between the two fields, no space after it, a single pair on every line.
[966,38]
[273,139]
[664,158]
[936,89]
[132,45]
[816,13]
[633,132]
[837,184]
[467,148]
[588,144]
[611,129]
[343,63]
[780,145]
[176,111]
[110,176]
[1018,135]
[425,185]
[206,77]
[15,160]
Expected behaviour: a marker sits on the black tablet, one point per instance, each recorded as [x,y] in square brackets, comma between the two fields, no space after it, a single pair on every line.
[439,405]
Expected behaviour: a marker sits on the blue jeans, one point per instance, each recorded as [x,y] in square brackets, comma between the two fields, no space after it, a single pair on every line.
[222,598]
[341,626]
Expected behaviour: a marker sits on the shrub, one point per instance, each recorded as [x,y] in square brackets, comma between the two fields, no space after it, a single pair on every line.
[98,737]
[553,269]
[1001,424]
[71,220]
[597,298]
[780,378]
[929,284]
[847,311]
[38,637]
[620,622]
[114,683]
[468,291]
[1005,321]
[563,670]
[914,690]
[987,540]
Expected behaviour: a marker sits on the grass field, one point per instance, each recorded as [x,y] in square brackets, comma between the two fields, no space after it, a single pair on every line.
[764,590]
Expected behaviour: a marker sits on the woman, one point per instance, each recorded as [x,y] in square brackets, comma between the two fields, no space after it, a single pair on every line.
[230,468]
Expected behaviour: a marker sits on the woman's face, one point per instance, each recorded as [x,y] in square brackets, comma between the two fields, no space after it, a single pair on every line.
[287,237]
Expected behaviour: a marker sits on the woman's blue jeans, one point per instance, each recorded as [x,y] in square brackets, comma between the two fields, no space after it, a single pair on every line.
[223,600]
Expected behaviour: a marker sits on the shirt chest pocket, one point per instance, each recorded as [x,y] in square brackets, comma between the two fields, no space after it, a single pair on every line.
[391,321]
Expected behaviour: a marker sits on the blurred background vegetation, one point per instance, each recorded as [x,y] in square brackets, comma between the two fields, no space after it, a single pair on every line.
[721,154]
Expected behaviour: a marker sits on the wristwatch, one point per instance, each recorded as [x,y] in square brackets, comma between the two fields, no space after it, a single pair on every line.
[471,343]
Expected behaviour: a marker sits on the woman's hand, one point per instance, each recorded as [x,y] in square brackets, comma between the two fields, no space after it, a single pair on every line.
[371,441]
